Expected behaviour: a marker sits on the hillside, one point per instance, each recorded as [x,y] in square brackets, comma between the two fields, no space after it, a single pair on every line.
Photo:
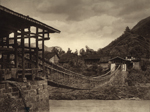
[143,28]
[134,42]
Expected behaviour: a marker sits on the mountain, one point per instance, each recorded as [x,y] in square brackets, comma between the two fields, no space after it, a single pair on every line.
[47,48]
[134,42]
[143,28]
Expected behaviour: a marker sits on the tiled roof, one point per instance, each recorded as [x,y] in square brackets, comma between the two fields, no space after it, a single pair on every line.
[15,18]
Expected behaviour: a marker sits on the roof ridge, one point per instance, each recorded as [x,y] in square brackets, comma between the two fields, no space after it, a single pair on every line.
[27,18]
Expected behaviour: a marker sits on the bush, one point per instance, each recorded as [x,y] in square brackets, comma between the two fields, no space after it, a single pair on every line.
[67,66]
[135,76]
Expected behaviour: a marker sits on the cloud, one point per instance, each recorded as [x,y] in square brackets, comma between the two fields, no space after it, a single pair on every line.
[96,32]
[83,22]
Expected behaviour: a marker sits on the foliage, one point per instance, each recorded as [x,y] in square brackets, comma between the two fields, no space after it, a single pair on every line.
[69,50]
[129,43]
[93,70]
[67,66]
[138,76]
[82,52]
[144,65]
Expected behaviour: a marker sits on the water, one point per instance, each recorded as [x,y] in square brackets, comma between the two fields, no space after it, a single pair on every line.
[99,106]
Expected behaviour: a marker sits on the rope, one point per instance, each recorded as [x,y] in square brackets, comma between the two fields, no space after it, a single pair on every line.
[63,72]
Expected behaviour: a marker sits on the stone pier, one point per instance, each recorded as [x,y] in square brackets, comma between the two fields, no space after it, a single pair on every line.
[19,96]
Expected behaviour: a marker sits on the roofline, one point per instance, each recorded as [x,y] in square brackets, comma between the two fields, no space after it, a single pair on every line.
[118,57]
[28,18]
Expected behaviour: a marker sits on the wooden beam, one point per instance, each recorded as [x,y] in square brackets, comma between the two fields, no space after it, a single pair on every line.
[47,38]
[5,44]
[44,39]
[25,33]
[40,49]
[31,52]
[43,32]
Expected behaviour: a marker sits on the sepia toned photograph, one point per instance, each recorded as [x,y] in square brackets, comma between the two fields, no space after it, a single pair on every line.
[74,56]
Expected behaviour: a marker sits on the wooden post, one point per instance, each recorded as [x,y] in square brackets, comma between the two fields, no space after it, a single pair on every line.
[29,42]
[2,66]
[43,53]
[16,54]
[1,74]
[8,55]
[37,53]
[23,54]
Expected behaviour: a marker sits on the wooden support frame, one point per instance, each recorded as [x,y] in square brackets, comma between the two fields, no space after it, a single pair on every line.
[39,37]
[15,45]
[37,53]
[29,42]
[43,53]
[23,54]
[7,44]
[2,66]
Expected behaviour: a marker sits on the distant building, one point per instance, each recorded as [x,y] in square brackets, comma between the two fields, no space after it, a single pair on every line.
[92,59]
[127,63]
[115,62]
[135,62]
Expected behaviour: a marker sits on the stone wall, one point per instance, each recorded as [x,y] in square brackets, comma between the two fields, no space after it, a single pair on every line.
[15,96]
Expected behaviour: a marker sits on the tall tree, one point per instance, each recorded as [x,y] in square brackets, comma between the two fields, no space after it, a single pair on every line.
[69,50]
[82,52]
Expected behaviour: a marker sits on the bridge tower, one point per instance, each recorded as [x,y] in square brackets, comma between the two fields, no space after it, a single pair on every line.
[18,60]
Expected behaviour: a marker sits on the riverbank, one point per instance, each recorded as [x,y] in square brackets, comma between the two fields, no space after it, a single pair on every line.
[103,93]
[99,106]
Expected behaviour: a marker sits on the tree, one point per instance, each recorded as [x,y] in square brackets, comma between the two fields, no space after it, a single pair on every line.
[76,52]
[89,51]
[127,30]
[55,50]
[61,52]
[82,52]
[69,50]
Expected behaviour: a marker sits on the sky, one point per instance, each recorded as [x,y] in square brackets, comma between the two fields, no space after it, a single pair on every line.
[94,23]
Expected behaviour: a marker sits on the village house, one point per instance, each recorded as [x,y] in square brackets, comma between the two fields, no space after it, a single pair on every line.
[92,59]
[119,61]
[127,63]
[135,62]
